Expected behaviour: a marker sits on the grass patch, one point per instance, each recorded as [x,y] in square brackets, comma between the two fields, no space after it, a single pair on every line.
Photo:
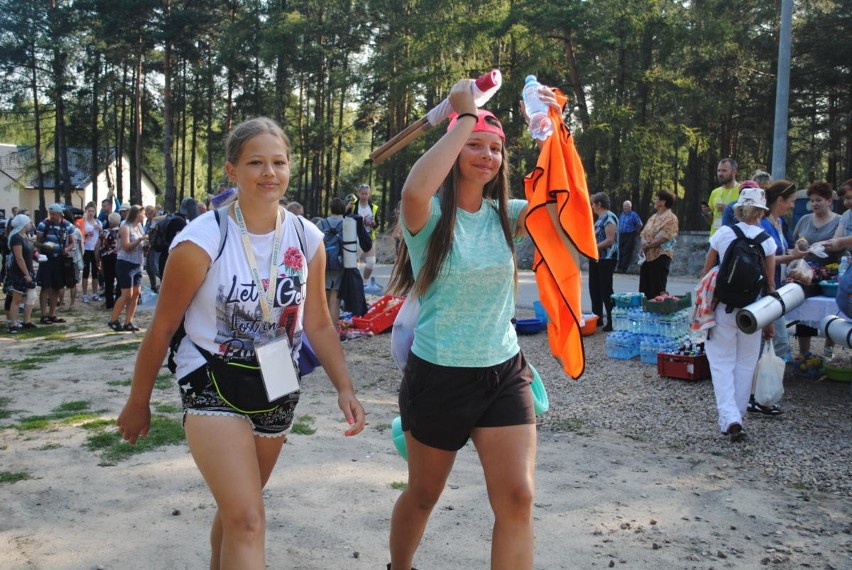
[49,446]
[164,381]
[167,408]
[398,485]
[14,476]
[575,425]
[68,413]
[304,425]
[116,347]
[112,448]
[382,428]
[120,382]
[4,412]
[97,424]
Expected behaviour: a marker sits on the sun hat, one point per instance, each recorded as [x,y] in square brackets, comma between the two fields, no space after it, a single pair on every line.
[752,197]
[482,126]
[56,208]
[124,207]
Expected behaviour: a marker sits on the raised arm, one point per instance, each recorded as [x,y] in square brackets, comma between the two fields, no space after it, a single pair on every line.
[432,168]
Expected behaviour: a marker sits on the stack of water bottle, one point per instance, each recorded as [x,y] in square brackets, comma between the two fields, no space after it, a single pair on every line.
[644,334]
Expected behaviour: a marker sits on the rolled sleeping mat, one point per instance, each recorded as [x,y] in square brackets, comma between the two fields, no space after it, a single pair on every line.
[541,403]
[837,329]
[350,243]
[768,309]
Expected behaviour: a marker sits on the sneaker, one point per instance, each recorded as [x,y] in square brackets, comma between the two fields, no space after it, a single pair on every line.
[115,325]
[130,327]
[608,327]
[736,433]
[96,297]
[13,329]
[85,298]
[773,410]
[29,326]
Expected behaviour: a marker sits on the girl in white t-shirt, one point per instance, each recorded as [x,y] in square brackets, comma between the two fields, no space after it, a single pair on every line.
[91,232]
[230,299]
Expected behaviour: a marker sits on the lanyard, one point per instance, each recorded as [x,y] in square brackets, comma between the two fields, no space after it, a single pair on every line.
[265,296]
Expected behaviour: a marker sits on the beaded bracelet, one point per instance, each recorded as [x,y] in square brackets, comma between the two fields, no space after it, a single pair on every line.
[458,117]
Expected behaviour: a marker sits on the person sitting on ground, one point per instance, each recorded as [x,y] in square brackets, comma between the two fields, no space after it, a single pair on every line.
[20,278]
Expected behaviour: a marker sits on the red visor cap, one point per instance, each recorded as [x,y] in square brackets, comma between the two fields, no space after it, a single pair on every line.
[482,126]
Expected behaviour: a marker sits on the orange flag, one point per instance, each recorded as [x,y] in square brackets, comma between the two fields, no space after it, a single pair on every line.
[559,221]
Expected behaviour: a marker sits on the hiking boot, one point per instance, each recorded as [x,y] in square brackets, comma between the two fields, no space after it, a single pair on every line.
[130,327]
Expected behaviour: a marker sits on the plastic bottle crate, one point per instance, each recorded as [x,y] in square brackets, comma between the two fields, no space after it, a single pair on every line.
[622,345]
[627,300]
[380,316]
[683,366]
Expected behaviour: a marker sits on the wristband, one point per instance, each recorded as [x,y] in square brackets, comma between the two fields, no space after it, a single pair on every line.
[475,118]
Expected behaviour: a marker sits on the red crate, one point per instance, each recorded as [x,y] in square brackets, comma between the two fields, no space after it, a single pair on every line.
[682,366]
[380,316]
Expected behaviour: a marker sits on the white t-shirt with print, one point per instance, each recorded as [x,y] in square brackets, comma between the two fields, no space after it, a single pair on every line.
[225,316]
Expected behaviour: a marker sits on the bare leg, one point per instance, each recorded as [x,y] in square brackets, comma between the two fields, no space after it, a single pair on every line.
[132,302]
[119,304]
[507,455]
[236,465]
[428,469]
[333,306]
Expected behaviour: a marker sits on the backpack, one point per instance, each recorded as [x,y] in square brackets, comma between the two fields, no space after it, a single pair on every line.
[741,276]
[157,235]
[333,240]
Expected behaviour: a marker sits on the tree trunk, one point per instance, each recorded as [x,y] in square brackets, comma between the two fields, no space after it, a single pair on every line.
[168,121]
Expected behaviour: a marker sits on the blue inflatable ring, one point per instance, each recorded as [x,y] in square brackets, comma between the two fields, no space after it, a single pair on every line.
[540,401]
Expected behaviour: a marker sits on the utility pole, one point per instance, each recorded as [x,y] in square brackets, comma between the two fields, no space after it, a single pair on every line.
[782,92]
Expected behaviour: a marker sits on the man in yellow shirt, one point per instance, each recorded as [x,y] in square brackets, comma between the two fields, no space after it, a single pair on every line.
[726,174]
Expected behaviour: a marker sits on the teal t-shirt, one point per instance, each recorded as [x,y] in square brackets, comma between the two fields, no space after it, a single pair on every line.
[465,315]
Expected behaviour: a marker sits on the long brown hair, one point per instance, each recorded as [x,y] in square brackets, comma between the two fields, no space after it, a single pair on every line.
[402,280]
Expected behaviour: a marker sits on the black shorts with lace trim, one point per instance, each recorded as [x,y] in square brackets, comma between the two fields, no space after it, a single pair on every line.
[199,397]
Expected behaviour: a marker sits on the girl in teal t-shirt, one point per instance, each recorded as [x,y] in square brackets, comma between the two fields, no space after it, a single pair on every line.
[465,377]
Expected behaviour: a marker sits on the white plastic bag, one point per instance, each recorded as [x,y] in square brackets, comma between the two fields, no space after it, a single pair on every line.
[402,333]
[769,377]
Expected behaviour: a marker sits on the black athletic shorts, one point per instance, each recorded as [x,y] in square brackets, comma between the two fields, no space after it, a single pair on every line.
[441,405]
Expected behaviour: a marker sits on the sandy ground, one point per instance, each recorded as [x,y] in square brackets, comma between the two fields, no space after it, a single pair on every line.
[602,500]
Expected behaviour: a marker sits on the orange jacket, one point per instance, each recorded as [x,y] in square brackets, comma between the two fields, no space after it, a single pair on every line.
[559,221]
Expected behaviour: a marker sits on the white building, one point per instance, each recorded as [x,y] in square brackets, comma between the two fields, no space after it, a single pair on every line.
[18,180]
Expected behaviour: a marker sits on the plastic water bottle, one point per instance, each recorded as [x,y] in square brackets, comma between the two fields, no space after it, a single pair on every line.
[541,126]
[844,265]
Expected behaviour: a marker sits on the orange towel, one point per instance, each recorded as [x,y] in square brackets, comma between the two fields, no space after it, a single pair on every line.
[559,217]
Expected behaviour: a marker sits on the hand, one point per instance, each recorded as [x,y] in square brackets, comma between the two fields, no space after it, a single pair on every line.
[134,421]
[461,97]
[769,331]
[547,95]
[705,209]
[354,412]
[720,207]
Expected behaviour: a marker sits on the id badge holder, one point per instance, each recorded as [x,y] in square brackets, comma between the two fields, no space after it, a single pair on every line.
[276,365]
